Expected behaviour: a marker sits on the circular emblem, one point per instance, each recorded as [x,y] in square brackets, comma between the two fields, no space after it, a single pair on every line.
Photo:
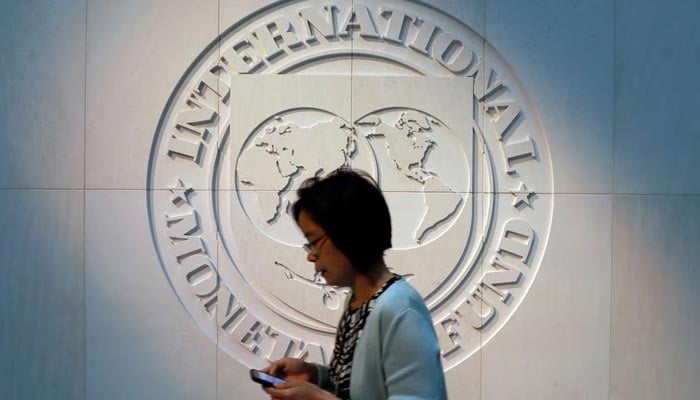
[400,90]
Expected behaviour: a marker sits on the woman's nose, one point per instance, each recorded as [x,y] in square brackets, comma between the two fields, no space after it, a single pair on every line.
[311,257]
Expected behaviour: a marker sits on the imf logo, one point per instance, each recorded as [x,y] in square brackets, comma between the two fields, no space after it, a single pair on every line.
[400,90]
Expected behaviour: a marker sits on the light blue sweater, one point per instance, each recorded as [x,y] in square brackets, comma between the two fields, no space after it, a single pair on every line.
[397,356]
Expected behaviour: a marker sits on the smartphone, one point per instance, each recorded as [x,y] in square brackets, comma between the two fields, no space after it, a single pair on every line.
[264,379]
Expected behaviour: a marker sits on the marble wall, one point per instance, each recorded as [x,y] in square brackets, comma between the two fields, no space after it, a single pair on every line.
[92,308]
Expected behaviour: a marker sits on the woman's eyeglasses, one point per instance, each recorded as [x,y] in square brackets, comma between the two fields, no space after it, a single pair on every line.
[313,246]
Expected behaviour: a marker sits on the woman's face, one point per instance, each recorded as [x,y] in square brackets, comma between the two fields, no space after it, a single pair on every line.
[328,260]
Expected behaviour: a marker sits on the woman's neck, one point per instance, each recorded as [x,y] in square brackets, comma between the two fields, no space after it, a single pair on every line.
[368,283]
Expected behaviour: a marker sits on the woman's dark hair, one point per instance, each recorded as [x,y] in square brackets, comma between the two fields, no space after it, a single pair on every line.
[350,208]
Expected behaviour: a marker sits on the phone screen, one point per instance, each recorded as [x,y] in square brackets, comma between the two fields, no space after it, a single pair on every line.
[263,378]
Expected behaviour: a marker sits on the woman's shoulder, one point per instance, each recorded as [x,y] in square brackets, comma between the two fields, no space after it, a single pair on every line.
[398,298]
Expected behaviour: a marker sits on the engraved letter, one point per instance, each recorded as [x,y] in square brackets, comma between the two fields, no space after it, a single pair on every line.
[507,117]
[518,152]
[270,42]
[238,59]
[281,347]
[452,54]
[472,310]
[180,148]
[315,22]
[485,81]
[192,120]
[311,352]
[505,274]
[247,332]
[425,33]
[359,18]
[517,239]
[190,254]
[200,274]
[213,81]
[182,226]
[397,19]
[448,336]
[186,248]
[234,309]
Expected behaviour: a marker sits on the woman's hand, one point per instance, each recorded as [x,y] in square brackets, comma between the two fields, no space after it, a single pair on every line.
[298,390]
[293,370]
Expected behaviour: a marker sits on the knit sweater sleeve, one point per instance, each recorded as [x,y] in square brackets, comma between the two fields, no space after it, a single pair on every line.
[411,359]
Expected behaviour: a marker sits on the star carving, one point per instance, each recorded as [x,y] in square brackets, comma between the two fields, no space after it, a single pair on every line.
[180,193]
[522,196]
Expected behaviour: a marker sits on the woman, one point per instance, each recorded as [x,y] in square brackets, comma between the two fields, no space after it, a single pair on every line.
[346,221]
